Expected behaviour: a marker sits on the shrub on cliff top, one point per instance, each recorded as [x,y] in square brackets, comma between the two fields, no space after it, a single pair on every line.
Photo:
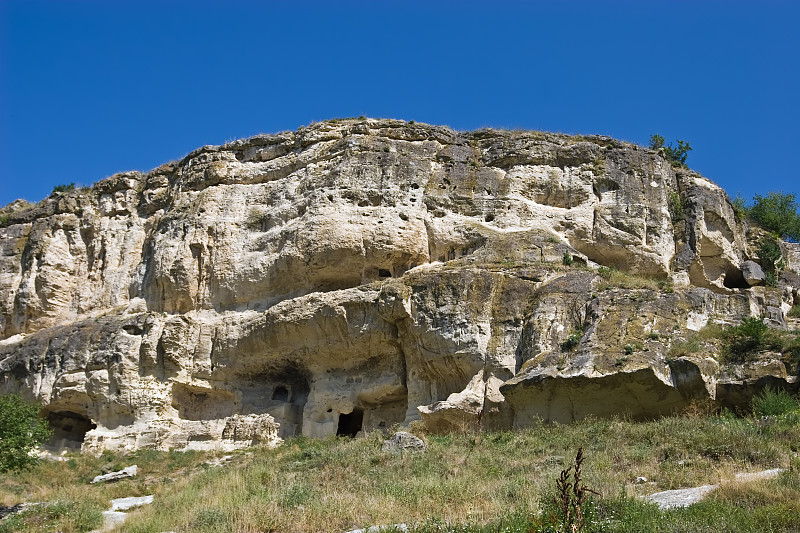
[675,154]
[63,188]
[777,212]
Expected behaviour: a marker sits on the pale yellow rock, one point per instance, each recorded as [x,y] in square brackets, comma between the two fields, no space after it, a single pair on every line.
[361,273]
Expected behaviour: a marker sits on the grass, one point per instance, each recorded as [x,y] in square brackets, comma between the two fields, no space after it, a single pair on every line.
[745,342]
[487,482]
[75,505]
[697,341]
[499,481]
[615,278]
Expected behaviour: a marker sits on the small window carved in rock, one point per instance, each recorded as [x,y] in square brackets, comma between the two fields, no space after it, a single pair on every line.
[384,273]
[281,393]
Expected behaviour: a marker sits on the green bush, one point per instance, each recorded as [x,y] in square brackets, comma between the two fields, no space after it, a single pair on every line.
[676,209]
[742,342]
[572,341]
[629,348]
[769,252]
[740,210]
[774,402]
[777,212]
[675,155]
[21,430]
[63,188]
[567,259]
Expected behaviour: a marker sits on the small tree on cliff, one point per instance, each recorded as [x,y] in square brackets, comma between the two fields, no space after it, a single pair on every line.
[21,430]
[777,212]
[675,155]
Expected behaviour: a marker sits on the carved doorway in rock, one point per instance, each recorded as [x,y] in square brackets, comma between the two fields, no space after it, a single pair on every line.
[350,423]
[69,430]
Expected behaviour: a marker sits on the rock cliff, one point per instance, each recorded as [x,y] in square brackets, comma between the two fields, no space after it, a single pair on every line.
[361,273]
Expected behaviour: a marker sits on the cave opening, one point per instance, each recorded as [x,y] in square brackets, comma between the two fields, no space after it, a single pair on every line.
[350,423]
[69,430]
[384,273]
[734,279]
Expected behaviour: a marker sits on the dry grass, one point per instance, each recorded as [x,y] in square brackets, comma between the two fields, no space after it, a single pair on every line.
[484,482]
[614,278]
[337,484]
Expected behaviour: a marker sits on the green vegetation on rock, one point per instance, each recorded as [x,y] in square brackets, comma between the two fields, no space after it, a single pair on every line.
[777,212]
[742,342]
[676,209]
[63,188]
[674,154]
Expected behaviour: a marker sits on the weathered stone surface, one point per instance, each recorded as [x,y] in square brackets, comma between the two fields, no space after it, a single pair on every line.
[753,273]
[673,499]
[129,471]
[402,441]
[360,273]
[126,504]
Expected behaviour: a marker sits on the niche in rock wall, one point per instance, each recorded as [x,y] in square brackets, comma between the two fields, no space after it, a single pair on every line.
[350,423]
[384,415]
[734,279]
[69,430]
[202,404]
[282,391]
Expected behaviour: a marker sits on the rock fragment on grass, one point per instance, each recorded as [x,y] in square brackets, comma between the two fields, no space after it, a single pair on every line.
[115,476]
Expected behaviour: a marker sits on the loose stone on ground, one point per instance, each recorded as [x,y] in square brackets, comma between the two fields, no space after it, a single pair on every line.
[672,499]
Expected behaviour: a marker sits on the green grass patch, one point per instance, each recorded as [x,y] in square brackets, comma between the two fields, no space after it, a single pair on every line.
[499,481]
[615,278]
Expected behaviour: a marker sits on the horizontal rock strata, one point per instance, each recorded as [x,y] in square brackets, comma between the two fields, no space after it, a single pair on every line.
[360,273]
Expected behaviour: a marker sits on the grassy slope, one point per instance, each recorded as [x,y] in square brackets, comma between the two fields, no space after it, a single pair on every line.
[490,482]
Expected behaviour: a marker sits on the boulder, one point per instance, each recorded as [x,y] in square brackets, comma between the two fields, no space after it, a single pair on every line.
[129,471]
[403,441]
[753,273]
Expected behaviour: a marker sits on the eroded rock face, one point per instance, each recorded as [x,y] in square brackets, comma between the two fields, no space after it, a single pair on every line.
[357,274]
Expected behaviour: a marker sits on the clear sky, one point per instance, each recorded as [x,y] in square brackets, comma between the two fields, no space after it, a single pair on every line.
[90,88]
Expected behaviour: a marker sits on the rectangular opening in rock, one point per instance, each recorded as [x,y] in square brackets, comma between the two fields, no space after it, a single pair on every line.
[69,430]
[350,423]
[281,393]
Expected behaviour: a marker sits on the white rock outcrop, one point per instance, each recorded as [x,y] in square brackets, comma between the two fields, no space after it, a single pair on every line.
[360,273]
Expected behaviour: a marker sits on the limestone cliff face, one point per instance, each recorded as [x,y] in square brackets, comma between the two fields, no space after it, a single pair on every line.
[360,273]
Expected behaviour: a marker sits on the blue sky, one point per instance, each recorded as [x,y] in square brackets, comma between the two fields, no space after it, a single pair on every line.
[90,88]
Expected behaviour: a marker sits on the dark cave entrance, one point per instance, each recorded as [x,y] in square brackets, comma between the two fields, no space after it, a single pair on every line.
[281,393]
[734,279]
[350,423]
[69,430]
